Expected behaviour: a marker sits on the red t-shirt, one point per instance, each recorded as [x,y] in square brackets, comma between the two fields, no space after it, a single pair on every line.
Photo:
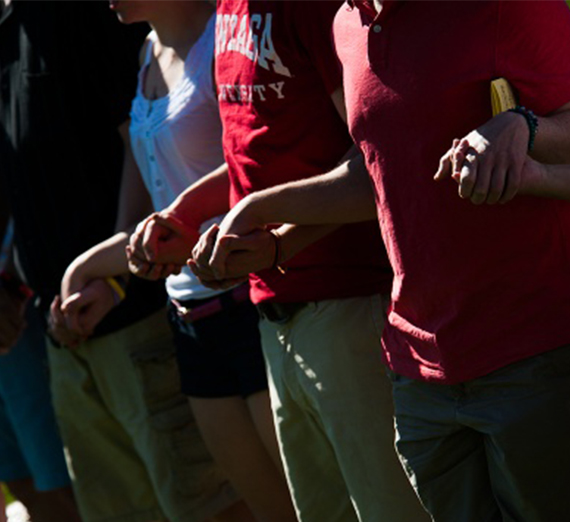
[475,287]
[275,70]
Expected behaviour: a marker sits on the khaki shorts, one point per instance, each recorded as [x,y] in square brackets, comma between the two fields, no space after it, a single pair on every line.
[332,404]
[134,450]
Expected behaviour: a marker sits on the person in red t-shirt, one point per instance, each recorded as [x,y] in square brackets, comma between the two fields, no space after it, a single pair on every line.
[477,335]
[276,73]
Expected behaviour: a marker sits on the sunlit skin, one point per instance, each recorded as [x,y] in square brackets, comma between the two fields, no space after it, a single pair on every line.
[248,453]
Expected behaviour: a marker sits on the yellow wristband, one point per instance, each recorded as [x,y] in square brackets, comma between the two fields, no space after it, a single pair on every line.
[116,287]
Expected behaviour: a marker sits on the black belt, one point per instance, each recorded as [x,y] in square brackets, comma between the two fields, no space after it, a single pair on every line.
[279,313]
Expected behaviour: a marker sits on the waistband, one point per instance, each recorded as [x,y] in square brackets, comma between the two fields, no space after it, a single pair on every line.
[194,310]
[280,313]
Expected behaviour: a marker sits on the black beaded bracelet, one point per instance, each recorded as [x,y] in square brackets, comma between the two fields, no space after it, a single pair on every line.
[531,121]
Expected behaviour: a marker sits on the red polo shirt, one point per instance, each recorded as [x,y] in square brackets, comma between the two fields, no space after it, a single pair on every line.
[275,71]
[475,287]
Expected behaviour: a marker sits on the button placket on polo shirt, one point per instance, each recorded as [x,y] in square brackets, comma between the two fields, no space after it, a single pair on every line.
[378,39]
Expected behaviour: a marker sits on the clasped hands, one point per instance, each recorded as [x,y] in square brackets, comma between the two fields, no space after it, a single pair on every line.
[221,257]
[491,164]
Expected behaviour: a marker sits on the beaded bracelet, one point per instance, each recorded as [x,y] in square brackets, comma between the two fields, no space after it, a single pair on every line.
[277,237]
[531,121]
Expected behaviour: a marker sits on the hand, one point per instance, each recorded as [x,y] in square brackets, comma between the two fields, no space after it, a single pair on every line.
[57,326]
[84,310]
[159,247]
[239,222]
[12,321]
[487,163]
[242,256]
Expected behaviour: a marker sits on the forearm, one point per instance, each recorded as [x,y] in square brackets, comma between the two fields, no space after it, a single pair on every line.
[106,259]
[548,181]
[294,238]
[203,200]
[343,195]
[552,143]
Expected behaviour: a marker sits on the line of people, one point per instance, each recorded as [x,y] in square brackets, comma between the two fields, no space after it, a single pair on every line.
[322,141]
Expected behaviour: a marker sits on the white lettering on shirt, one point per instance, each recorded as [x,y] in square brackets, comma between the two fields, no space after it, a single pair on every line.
[251,37]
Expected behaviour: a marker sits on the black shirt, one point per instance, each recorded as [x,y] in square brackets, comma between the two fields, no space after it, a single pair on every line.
[67,76]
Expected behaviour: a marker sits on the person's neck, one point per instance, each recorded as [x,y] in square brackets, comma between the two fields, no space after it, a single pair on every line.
[181,23]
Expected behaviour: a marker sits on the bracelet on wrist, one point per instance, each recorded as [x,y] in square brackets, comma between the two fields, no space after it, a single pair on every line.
[278,251]
[118,286]
[531,121]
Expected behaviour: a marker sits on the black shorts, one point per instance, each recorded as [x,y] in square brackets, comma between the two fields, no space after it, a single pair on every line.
[219,355]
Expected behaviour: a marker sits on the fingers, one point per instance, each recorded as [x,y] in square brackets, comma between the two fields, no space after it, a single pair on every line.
[137,265]
[136,239]
[489,181]
[222,249]
[57,326]
[484,186]
[201,254]
[460,149]
[84,310]
[512,185]
[70,310]
[207,278]
[150,238]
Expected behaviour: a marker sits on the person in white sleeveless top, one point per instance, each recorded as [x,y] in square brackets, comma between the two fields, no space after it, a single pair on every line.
[175,133]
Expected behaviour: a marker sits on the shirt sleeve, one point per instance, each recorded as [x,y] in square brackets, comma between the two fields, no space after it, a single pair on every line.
[314,21]
[533,52]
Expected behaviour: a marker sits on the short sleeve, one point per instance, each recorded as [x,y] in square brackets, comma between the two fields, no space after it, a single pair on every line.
[533,52]
[313,21]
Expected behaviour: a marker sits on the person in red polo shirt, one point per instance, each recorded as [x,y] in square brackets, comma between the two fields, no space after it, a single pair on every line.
[276,73]
[477,336]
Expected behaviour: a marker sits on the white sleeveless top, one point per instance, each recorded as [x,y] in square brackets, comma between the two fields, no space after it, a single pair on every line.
[177,139]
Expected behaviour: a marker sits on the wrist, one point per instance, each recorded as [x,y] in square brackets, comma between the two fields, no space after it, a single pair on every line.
[531,122]
[278,256]
[251,211]
[187,211]
[534,179]
[118,285]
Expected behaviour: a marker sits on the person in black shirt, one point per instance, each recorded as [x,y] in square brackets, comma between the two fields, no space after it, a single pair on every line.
[67,75]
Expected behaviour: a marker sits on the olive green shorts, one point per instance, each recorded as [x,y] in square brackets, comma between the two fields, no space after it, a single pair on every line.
[134,450]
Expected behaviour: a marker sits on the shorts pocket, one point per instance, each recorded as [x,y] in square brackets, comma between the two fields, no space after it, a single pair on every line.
[160,380]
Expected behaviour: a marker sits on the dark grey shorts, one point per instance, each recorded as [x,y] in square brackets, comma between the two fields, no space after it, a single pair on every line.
[493,449]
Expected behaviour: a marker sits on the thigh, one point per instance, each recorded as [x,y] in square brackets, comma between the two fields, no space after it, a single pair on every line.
[12,462]
[142,389]
[28,404]
[109,478]
[345,380]
[315,480]
[234,441]
[444,459]
[526,420]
